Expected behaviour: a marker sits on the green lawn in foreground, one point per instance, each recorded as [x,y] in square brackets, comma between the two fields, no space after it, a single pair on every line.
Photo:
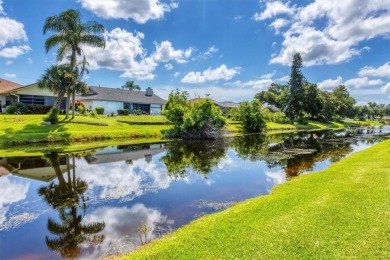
[340,213]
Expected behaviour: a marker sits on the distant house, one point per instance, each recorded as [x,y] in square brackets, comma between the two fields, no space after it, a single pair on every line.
[222,105]
[11,92]
[113,99]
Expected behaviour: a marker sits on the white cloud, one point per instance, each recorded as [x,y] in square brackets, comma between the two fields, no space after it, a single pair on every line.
[362,82]
[177,74]
[264,82]
[284,79]
[330,83]
[124,223]
[165,53]
[386,88]
[10,75]
[124,52]
[29,61]
[238,17]
[9,62]
[221,73]
[14,51]
[279,24]
[12,32]
[381,71]
[273,9]
[11,192]
[168,66]
[140,11]
[207,54]
[329,31]
[274,178]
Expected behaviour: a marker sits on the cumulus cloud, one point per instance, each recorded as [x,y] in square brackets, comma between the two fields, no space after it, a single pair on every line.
[11,192]
[386,88]
[13,37]
[328,31]
[168,66]
[165,52]
[124,222]
[381,71]
[363,82]
[330,83]
[264,82]
[279,24]
[124,52]
[140,11]
[220,73]
[274,8]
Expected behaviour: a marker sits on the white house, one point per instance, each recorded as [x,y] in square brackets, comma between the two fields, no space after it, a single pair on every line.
[113,99]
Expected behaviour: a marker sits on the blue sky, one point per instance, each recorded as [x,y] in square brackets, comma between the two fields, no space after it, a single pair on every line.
[230,49]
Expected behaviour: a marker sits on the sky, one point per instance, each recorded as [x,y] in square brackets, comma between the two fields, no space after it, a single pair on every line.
[228,49]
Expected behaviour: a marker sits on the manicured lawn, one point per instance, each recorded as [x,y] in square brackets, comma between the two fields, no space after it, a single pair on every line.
[340,213]
[19,129]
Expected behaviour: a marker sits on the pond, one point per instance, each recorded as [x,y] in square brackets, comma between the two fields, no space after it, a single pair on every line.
[105,201]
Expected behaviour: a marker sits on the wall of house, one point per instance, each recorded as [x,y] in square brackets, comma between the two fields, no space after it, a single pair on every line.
[109,106]
[34,90]
[2,103]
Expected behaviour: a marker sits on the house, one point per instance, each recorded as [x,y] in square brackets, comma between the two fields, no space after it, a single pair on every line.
[11,92]
[112,99]
[222,105]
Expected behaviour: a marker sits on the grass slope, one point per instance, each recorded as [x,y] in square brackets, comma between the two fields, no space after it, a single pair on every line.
[342,212]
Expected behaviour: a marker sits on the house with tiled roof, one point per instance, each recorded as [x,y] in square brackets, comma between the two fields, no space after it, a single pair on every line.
[113,99]
[11,92]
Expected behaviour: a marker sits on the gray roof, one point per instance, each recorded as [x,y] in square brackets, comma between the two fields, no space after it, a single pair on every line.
[121,95]
[227,104]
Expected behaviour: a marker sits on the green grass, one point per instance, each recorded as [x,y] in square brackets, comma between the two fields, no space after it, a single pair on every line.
[361,123]
[340,213]
[21,129]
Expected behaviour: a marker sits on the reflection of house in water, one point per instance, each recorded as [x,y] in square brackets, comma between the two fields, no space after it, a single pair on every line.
[124,153]
[35,167]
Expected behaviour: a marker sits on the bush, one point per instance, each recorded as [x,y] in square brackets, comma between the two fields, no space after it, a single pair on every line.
[99,110]
[17,108]
[251,118]
[38,109]
[123,112]
[52,116]
[203,120]
[137,112]
[302,120]
[82,110]
[94,114]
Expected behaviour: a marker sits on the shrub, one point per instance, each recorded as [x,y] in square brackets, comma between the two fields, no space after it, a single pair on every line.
[52,116]
[17,108]
[123,112]
[94,114]
[137,112]
[302,120]
[38,109]
[82,110]
[100,110]
[251,117]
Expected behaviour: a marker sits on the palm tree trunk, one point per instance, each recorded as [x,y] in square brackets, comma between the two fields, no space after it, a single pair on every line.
[57,103]
[67,105]
[73,64]
[73,101]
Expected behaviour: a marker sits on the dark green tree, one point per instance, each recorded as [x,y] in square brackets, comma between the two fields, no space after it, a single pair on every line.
[277,95]
[314,103]
[294,107]
[70,34]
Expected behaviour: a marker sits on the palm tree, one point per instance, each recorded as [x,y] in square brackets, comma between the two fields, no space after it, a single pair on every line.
[59,79]
[67,196]
[130,85]
[70,35]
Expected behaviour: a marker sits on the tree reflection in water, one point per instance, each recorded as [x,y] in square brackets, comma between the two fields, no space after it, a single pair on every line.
[199,156]
[67,196]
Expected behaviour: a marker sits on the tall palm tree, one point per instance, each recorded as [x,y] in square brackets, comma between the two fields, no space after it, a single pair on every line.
[70,34]
[59,79]
[130,85]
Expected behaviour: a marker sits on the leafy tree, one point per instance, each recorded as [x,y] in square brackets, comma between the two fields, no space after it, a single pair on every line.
[70,35]
[277,95]
[175,108]
[251,117]
[130,85]
[314,103]
[294,107]
[344,102]
[203,120]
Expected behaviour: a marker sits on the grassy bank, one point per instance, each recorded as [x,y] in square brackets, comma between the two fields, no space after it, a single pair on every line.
[342,212]
[24,129]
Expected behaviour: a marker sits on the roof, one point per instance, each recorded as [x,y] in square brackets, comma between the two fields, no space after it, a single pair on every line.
[224,104]
[121,95]
[6,85]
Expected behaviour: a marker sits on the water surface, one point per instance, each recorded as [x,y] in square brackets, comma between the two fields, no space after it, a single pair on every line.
[105,201]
